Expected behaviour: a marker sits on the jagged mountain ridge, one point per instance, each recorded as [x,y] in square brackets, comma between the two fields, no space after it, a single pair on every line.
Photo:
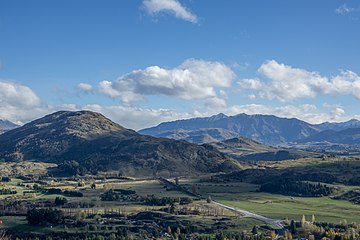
[267,129]
[97,143]
[6,125]
[353,123]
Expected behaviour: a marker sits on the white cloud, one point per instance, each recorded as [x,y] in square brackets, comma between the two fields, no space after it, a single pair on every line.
[84,87]
[344,9]
[20,104]
[154,7]
[250,84]
[16,94]
[193,79]
[215,102]
[137,117]
[307,112]
[289,83]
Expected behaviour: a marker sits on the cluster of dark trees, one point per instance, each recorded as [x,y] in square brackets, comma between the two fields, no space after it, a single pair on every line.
[296,188]
[59,201]
[110,195]
[74,168]
[125,191]
[152,200]
[43,216]
[5,179]
[5,191]
[67,193]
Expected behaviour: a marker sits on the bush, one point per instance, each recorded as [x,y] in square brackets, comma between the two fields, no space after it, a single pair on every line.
[60,201]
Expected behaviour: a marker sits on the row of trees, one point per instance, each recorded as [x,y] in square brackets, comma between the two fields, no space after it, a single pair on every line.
[296,188]
[152,200]
[6,191]
[43,216]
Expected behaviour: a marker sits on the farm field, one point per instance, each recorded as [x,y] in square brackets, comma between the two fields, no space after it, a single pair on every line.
[139,204]
[244,196]
[205,217]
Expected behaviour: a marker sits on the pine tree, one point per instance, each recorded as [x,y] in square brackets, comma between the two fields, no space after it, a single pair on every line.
[254,230]
[293,229]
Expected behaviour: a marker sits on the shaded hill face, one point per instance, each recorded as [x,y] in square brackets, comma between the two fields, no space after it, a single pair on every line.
[206,135]
[6,126]
[266,129]
[241,146]
[245,149]
[347,136]
[91,142]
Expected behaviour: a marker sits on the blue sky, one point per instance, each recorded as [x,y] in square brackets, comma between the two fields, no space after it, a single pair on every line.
[141,62]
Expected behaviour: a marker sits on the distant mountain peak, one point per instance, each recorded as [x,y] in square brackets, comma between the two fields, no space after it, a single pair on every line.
[266,129]
[6,125]
[217,117]
[353,121]
[78,123]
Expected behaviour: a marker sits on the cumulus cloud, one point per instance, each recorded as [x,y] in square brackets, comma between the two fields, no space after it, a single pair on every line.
[20,104]
[344,9]
[136,117]
[154,7]
[306,112]
[251,84]
[16,94]
[84,87]
[215,102]
[289,83]
[193,79]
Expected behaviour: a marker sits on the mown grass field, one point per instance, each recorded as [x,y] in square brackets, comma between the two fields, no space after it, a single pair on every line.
[244,196]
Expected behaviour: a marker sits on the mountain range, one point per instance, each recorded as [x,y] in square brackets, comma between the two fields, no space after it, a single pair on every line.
[266,129]
[84,141]
[6,125]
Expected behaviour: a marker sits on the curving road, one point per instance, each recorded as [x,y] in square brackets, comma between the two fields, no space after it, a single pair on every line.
[275,223]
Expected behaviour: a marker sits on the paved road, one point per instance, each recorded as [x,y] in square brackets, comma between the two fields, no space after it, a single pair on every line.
[275,223]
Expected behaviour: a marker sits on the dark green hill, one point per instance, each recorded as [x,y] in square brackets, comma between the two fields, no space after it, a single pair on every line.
[241,146]
[244,149]
[86,141]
